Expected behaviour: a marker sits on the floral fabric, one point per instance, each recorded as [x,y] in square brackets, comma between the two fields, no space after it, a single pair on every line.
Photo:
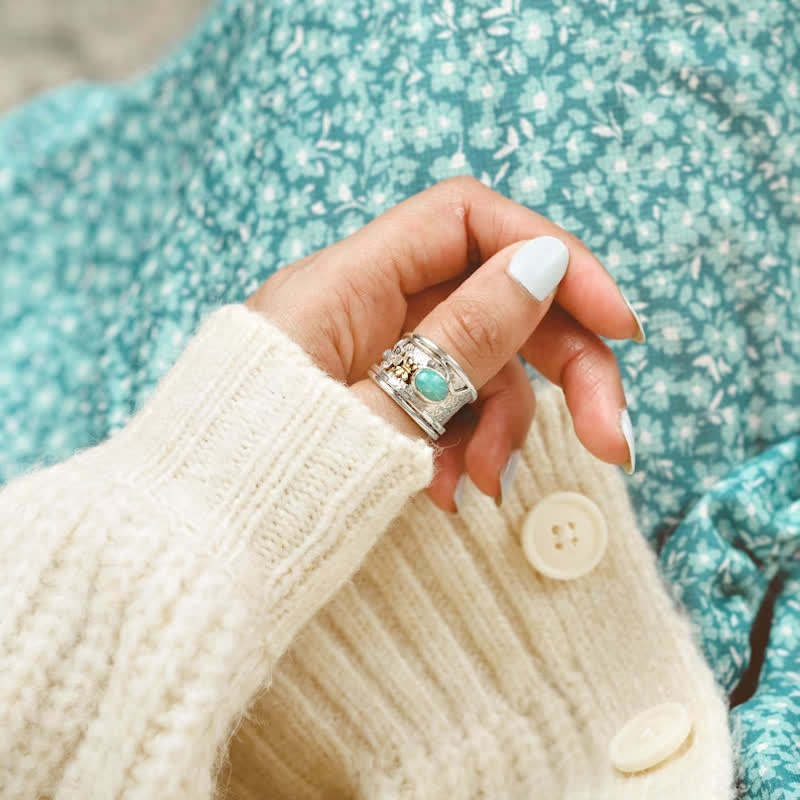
[666,135]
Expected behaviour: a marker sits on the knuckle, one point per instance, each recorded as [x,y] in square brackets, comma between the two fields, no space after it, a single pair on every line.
[589,364]
[466,182]
[462,193]
[473,330]
[460,189]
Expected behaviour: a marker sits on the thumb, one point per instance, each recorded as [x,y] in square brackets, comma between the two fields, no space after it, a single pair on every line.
[487,319]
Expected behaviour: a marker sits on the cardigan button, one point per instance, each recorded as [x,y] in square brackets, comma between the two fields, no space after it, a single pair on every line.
[564,536]
[650,737]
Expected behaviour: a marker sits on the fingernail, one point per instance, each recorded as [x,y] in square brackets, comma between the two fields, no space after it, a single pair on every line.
[639,336]
[507,475]
[627,431]
[539,265]
[458,495]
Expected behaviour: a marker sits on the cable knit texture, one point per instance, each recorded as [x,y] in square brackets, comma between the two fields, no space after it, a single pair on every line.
[151,584]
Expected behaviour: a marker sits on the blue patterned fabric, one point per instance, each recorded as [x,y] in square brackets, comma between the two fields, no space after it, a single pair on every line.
[666,135]
[740,538]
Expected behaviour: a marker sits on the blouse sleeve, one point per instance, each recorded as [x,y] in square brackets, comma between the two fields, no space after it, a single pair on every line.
[149,584]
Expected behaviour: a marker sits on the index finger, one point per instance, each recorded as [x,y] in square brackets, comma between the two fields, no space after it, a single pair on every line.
[448,229]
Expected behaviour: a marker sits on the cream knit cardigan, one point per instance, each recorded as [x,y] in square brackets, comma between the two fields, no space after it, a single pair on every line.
[244,592]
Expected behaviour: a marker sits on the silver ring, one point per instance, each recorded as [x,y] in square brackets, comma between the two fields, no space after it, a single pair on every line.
[424,381]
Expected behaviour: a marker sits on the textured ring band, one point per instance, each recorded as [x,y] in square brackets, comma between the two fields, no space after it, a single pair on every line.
[424,381]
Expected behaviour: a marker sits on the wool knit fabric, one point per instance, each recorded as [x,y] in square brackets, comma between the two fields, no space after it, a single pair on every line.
[244,591]
[664,134]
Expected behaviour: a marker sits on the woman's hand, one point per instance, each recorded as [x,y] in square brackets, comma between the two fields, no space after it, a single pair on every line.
[437,264]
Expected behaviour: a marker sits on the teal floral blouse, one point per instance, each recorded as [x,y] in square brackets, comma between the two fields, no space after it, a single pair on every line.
[665,134]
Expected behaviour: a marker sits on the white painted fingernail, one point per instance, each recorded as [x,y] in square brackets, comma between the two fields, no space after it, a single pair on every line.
[639,336]
[539,265]
[507,474]
[458,495]
[627,431]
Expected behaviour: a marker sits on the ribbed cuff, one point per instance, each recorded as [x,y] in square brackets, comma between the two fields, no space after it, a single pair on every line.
[288,478]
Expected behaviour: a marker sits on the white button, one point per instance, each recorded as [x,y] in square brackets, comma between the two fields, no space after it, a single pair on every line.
[565,535]
[650,737]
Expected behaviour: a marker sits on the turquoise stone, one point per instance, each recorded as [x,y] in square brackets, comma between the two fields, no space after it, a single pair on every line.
[431,385]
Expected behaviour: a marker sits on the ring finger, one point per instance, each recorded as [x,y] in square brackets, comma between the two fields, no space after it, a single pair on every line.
[505,406]
[486,320]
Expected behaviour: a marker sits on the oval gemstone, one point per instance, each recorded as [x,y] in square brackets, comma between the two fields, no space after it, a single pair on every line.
[431,385]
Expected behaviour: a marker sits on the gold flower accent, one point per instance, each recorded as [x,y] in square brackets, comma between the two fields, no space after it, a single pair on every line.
[401,365]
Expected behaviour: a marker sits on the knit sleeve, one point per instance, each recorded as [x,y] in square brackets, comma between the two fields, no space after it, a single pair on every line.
[149,584]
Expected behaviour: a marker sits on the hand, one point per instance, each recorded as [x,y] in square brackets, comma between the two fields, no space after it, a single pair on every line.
[436,264]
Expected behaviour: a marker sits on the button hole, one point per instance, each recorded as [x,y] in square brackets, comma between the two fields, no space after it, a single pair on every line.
[571,525]
[574,540]
[559,545]
[556,530]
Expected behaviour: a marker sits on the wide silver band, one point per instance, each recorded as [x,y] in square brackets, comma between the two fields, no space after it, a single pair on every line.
[398,374]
